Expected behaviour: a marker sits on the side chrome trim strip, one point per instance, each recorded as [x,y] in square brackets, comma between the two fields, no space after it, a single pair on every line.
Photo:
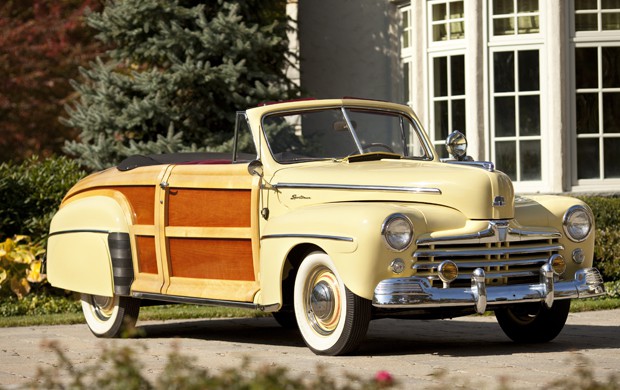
[318,236]
[313,186]
[78,231]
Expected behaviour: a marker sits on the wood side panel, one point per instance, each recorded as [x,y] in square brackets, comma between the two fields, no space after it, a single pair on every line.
[147,258]
[142,200]
[224,259]
[209,207]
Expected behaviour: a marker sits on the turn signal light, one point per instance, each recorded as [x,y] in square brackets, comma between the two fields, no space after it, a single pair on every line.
[448,271]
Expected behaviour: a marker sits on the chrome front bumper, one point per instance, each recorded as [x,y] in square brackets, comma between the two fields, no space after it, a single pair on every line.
[416,292]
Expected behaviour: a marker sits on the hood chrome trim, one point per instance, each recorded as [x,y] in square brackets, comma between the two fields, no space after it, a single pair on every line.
[313,186]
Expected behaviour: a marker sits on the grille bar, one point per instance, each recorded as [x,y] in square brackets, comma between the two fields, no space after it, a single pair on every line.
[485,251]
[431,266]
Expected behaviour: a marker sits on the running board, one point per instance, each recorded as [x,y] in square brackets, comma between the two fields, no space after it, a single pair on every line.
[204,301]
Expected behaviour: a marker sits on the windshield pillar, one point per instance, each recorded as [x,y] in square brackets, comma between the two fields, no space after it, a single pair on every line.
[352,131]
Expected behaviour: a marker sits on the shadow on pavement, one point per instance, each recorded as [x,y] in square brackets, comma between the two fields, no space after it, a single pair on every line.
[395,337]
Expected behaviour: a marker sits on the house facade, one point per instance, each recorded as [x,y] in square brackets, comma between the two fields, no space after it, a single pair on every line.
[534,84]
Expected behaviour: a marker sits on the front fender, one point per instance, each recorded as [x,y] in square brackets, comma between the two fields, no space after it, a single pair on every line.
[78,253]
[350,233]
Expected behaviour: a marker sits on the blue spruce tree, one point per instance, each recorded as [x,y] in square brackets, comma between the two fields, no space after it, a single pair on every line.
[175,74]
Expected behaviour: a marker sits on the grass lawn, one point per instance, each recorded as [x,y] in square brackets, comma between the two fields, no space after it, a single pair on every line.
[172,312]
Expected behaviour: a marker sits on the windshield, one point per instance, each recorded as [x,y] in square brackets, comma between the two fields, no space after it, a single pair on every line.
[337,133]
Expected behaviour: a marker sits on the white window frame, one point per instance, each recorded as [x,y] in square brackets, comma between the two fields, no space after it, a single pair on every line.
[436,49]
[598,40]
[428,17]
[406,53]
[599,17]
[519,42]
[515,16]
[439,143]
[525,185]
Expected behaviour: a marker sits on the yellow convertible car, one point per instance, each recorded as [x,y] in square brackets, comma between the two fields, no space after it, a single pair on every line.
[327,213]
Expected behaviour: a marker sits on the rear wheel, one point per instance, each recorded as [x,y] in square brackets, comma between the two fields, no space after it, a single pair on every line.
[110,316]
[331,319]
[528,323]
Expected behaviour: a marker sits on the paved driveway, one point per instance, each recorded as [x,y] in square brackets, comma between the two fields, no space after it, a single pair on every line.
[471,350]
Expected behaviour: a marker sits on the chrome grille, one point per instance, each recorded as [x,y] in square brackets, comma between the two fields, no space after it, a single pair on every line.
[513,261]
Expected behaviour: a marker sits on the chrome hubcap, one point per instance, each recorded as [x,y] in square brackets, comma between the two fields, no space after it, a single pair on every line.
[103,307]
[323,303]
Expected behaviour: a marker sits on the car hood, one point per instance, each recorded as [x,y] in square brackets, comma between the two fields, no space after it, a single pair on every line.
[476,192]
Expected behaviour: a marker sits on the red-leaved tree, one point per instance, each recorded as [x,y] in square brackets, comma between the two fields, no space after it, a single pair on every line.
[42,45]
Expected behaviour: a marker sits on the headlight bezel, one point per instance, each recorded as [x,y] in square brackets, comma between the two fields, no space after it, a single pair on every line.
[568,222]
[389,224]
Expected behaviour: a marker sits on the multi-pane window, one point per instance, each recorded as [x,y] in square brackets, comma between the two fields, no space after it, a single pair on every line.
[448,98]
[407,82]
[515,99]
[446,70]
[597,111]
[447,20]
[515,133]
[515,17]
[597,15]
[406,44]
[406,38]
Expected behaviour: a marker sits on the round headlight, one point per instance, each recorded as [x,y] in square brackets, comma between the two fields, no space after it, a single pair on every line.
[577,223]
[397,231]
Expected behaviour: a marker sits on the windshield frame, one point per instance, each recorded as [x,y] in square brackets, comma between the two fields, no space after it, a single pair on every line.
[426,147]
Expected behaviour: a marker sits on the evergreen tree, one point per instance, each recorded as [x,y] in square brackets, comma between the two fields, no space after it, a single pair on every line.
[177,72]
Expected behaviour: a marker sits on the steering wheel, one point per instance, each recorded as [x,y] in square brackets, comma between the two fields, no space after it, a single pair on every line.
[377,144]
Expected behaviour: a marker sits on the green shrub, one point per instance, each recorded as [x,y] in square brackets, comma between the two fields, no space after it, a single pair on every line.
[43,303]
[31,193]
[613,289]
[607,245]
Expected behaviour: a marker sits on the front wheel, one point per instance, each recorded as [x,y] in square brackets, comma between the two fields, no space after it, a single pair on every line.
[528,323]
[110,316]
[332,319]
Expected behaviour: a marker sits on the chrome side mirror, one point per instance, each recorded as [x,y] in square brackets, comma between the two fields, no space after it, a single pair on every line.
[255,168]
[456,145]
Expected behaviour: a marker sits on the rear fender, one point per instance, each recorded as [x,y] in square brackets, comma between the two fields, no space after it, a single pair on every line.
[85,236]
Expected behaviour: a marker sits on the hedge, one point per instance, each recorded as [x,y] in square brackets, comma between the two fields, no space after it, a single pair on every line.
[31,193]
[607,244]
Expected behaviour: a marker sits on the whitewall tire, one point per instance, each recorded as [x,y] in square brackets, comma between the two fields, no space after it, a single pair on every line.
[332,320]
[110,316]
